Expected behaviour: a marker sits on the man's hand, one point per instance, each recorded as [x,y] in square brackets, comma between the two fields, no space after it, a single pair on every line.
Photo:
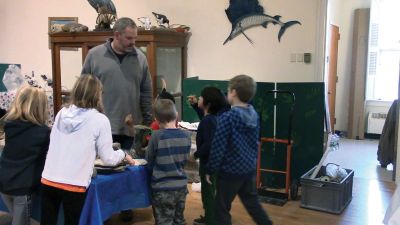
[130,123]
[129,120]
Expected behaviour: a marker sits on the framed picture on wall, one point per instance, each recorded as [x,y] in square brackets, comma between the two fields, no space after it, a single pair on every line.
[56,23]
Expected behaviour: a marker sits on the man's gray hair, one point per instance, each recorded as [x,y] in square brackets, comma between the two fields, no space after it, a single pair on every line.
[123,23]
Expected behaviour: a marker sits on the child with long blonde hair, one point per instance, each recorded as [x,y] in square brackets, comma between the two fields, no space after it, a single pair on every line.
[24,154]
[80,132]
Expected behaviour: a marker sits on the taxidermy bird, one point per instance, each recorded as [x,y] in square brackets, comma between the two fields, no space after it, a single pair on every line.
[244,15]
[161,19]
[106,13]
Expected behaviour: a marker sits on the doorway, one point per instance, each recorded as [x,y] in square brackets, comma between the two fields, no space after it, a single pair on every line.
[332,71]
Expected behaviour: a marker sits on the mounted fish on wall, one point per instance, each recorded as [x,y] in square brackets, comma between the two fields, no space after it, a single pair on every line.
[245,14]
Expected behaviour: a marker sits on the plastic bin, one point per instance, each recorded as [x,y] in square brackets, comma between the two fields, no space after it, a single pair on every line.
[329,197]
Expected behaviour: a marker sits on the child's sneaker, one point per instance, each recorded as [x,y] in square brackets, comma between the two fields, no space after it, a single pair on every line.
[199,221]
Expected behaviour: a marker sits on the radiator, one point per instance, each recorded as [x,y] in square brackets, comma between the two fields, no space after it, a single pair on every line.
[375,122]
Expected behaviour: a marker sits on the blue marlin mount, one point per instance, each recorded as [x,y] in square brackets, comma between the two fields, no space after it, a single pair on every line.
[254,20]
[245,14]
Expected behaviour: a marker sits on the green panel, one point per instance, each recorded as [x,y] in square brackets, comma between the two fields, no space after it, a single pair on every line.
[308,125]
[307,132]
[3,68]
[261,101]
[193,86]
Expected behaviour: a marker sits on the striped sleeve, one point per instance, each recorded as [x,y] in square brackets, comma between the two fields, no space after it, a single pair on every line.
[152,150]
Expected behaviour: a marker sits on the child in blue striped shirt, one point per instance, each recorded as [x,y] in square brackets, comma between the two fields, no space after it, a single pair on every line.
[166,155]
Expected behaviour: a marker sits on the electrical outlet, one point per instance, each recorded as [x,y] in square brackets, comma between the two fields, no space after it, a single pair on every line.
[307,57]
[300,57]
[293,57]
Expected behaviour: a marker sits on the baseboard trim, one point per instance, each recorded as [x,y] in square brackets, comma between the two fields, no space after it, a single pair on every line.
[372,136]
[366,135]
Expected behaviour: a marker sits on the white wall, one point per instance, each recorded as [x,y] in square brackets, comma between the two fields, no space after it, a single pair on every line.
[341,13]
[25,38]
[25,25]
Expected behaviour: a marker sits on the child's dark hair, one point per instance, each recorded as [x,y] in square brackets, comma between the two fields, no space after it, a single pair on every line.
[214,99]
[244,86]
[164,110]
[166,95]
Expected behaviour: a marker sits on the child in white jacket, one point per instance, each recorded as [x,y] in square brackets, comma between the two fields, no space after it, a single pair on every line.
[80,132]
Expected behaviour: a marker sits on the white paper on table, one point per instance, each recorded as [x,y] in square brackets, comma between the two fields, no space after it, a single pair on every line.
[189,126]
[140,162]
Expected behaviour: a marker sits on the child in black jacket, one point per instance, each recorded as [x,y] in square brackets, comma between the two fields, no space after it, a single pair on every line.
[212,102]
[24,154]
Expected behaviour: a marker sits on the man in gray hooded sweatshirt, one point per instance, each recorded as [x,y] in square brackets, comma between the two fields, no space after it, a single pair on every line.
[123,70]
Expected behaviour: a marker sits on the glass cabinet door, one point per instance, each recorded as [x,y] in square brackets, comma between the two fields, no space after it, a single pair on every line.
[143,49]
[169,69]
[169,72]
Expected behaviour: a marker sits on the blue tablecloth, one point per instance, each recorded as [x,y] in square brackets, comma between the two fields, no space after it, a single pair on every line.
[109,194]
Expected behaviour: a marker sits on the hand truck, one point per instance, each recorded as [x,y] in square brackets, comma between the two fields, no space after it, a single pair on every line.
[288,142]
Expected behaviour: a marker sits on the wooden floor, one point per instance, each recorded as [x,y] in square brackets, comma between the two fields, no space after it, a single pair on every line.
[371,196]
[370,199]
[372,191]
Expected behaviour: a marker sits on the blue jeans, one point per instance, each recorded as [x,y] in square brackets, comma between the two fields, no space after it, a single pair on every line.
[20,208]
[245,187]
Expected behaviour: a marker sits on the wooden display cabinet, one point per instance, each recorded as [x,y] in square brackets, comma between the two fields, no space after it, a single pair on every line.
[166,52]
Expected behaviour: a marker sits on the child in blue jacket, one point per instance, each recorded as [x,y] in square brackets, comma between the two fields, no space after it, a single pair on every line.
[234,151]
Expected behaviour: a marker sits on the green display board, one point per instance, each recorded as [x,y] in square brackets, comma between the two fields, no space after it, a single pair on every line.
[261,101]
[307,132]
[193,86]
[307,126]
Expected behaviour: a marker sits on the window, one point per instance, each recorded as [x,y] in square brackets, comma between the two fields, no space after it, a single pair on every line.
[383,51]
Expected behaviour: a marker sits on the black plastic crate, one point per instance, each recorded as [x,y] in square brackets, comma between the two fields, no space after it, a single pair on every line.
[330,197]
